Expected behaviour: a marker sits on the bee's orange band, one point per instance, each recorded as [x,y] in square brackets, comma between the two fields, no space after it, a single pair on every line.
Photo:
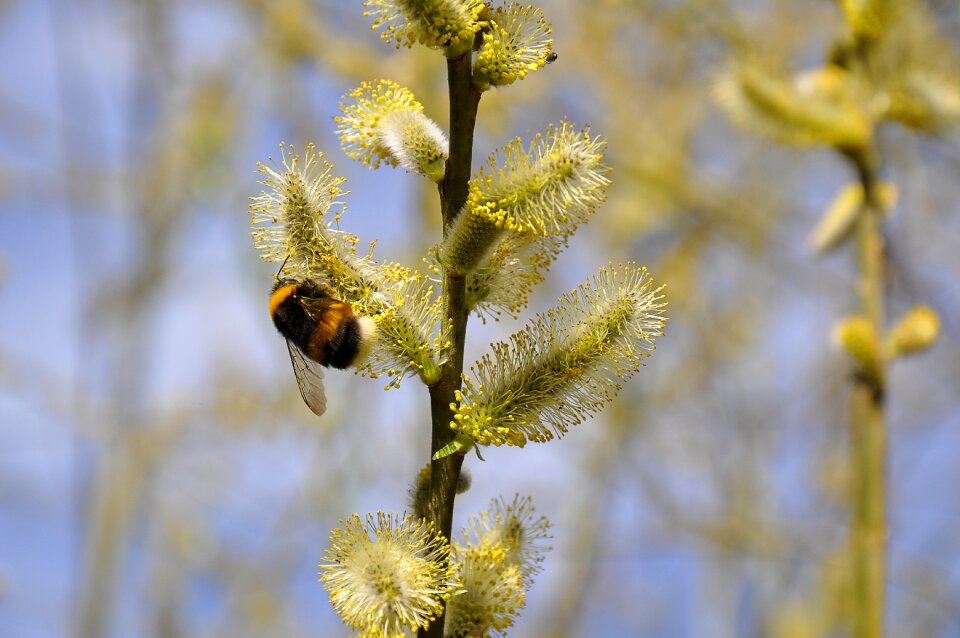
[279,296]
[335,314]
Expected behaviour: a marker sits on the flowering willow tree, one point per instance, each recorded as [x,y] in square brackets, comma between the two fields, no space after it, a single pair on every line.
[393,575]
[887,66]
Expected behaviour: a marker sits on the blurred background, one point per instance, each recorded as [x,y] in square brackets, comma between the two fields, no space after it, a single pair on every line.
[159,474]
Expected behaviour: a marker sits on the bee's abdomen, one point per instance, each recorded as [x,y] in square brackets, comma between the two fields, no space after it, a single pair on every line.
[343,347]
[335,341]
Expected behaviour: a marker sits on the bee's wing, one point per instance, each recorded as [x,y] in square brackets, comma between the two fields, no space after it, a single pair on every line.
[315,307]
[310,379]
[309,305]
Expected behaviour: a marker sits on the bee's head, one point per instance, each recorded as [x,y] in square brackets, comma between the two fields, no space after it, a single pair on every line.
[313,289]
[283,290]
[310,288]
[284,282]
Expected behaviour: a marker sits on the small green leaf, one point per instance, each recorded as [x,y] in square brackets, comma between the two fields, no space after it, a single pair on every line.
[460,444]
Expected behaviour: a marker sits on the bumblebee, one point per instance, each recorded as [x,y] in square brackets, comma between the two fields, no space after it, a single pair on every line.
[320,331]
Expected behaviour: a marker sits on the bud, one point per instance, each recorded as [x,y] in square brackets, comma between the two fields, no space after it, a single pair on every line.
[939,90]
[470,239]
[915,332]
[415,142]
[383,122]
[817,108]
[838,221]
[419,492]
[926,99]
[857,336]
[868,19]
[430,371]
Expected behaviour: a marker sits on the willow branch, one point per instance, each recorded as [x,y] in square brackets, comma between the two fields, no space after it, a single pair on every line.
[868,436]
[445,472]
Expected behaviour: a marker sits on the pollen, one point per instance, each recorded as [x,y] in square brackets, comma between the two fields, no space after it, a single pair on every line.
[363,110]
[547,188]
[387,573]
[447,24]
[498,556]
[516,43]
[566,364]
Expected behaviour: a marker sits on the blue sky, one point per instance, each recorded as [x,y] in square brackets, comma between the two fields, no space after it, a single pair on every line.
[69,93]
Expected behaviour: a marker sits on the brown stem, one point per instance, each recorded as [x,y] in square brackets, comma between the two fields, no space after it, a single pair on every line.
[464,101]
